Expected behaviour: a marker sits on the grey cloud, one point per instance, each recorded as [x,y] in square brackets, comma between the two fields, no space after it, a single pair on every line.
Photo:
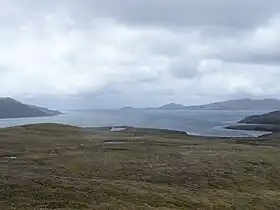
[112,53]
[184,68]
[237,13]
[255,58]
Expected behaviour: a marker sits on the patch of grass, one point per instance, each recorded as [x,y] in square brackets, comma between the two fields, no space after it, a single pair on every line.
[71,168]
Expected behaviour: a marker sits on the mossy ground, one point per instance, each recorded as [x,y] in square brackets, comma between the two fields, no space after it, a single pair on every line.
[64,167]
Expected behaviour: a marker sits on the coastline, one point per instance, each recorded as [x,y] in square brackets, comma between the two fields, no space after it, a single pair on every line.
[148,131]
[26,117]
[254,127]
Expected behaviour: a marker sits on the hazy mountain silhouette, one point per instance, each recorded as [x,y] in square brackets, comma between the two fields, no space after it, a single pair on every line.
[239,104]
[172,106]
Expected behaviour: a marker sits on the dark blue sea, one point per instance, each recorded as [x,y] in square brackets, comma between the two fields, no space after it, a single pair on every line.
[205,123]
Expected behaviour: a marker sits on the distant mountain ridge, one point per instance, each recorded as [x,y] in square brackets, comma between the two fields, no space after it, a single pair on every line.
[239,104]
[10,108]
[242,104]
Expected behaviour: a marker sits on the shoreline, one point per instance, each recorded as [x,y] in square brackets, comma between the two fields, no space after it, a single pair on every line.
[28,117]
[143,130]
[254,127]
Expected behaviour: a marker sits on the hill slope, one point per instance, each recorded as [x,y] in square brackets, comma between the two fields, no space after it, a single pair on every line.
[10,108]
[269,122]
[272,118]
[67,167]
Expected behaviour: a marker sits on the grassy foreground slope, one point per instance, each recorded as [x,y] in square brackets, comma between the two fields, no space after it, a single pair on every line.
[52,166]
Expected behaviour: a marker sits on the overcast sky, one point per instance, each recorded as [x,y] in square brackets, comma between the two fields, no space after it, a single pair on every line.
[112,53]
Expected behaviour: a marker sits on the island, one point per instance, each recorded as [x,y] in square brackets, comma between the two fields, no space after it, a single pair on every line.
[10,108]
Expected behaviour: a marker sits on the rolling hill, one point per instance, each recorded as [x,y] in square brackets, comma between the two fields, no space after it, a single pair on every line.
[271,118]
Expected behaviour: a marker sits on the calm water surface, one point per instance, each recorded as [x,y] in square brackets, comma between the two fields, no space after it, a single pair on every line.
[206,123]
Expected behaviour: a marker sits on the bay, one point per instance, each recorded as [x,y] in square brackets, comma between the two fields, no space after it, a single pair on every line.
[202,122]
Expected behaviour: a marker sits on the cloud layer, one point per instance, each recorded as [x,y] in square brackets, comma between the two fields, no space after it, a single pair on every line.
[142,53]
